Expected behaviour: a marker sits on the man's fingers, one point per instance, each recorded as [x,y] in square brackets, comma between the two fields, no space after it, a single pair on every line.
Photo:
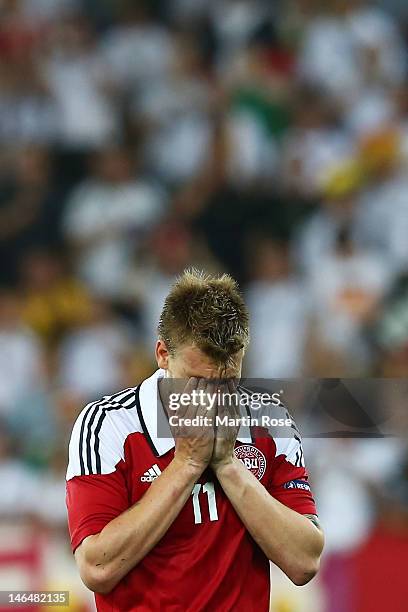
[207,398]
[234,408]
[209,407]
[187,396]
[192,384]
[222,409]
[197,411]
[235,405]
[212,398]
[198,402]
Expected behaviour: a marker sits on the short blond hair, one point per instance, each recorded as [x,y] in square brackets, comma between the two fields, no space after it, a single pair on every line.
[208,312]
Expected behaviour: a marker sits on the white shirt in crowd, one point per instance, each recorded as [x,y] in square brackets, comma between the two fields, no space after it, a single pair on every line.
[109,218]
[91,359]
[279,319]
[21,361]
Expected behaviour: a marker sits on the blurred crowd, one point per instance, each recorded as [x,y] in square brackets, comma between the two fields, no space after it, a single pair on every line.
[266,139]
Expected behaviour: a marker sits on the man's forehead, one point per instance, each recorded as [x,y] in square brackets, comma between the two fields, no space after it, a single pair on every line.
[197,363]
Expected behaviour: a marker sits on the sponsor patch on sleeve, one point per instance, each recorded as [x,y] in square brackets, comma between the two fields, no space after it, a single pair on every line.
[297,484]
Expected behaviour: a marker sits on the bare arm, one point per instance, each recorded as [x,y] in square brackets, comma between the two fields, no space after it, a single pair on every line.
[287,538]
[105,558]
[290,540]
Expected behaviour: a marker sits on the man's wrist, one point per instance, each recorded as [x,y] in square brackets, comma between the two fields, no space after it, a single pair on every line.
[226,466]
[189,467]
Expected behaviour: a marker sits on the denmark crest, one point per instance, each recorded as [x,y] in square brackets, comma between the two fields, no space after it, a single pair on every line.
[253,459]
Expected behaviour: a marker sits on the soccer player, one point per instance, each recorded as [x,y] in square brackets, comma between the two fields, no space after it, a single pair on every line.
[187,523]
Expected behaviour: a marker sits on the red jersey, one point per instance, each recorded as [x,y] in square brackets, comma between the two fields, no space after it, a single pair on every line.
[207,560]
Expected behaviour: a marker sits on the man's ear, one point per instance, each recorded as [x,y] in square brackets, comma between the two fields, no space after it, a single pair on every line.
[162,355]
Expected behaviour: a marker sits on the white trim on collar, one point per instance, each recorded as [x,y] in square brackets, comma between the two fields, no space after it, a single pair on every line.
[149,407]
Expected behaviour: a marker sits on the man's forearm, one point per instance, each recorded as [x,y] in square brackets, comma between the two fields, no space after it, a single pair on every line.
[286,537]
[104,559]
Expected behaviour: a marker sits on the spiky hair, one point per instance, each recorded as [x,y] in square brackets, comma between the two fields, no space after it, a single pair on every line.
[208,312]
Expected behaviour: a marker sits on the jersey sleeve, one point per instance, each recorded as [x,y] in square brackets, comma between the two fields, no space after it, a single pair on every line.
[289,483]
[93,502]
[96,490]
[290,479]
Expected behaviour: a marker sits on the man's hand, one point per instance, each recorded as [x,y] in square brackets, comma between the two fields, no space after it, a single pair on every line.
[105,558]
[194,444]
[226,435]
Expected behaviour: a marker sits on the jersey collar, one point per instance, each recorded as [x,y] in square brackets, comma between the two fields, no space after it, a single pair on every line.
[150,410]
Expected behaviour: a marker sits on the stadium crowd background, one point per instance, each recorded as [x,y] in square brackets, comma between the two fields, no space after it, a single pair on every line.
[266,139]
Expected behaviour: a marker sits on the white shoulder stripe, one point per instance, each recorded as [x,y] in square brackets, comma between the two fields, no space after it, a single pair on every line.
[292,449]
[100,432]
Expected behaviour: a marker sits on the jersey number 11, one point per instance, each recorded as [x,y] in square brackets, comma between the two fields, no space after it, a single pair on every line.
[207,488]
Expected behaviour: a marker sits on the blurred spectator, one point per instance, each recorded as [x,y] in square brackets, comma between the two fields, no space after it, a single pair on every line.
[34,422]
[348,44]
[48,11]
[51,509]
[21,355]
[19,485]
[279,310]
[175,112]
[29,215]
[54,300]
[187,12]
[93,356]
[105,217]
[170,248]
[18,35]
[27,110]
[79,81]
[379,43]
[361,467]
[315,145]
[382,212]
[340,195]
[375,109]
[137,48]
[235,21]
[259,108]
[346,289]
[328,57]
[348,476]
[389,332]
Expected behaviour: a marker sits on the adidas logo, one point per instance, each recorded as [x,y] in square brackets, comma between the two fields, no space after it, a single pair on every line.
[151,474]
